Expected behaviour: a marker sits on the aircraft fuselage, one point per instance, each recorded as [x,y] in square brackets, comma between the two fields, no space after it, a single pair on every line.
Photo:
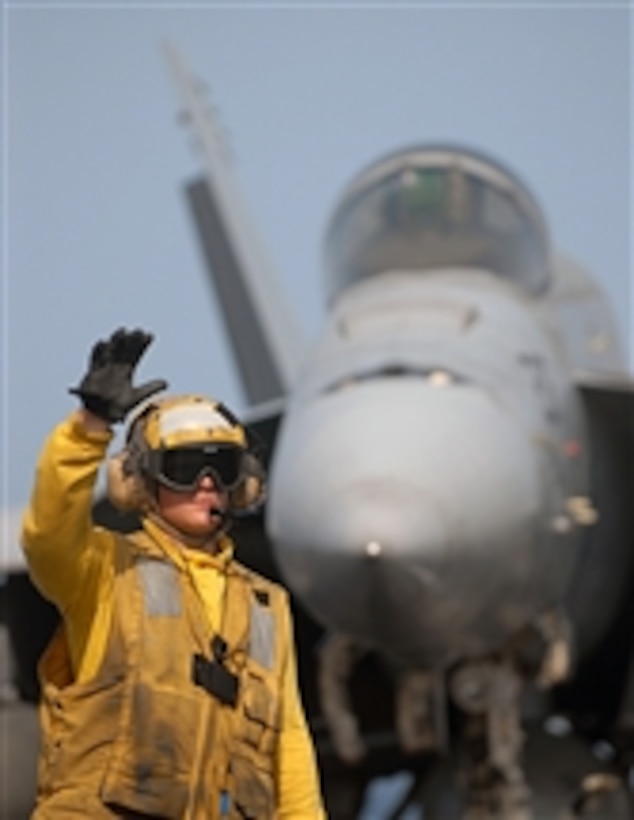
[429,490]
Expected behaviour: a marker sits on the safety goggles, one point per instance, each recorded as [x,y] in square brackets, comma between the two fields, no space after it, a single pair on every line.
[182,468]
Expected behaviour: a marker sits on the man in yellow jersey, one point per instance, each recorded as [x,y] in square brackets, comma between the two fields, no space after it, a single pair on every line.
[170,688]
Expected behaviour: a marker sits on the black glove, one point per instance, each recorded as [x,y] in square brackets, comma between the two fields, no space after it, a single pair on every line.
[106,389]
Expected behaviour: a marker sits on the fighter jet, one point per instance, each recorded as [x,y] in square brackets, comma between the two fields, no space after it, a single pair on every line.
[450,463]
[449,471]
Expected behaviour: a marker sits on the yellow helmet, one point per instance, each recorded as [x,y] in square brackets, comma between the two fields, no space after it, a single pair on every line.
[162,430]
[189,419]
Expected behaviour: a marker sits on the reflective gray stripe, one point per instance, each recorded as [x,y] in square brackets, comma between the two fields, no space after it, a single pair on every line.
[193,416]
[160,587]
[262,635]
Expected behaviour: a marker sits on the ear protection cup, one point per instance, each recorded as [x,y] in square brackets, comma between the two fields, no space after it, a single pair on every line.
[126,486]
[251,492]
[126,490]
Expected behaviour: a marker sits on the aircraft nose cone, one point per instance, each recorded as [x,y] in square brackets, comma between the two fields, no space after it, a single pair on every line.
[379,551]
[393,520]
[378,516]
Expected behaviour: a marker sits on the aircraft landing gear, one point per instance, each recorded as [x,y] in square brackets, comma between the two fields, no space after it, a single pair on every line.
[337,657]
[492,777]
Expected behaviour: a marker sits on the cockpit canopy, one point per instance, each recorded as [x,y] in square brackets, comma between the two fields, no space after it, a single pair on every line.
[434,207]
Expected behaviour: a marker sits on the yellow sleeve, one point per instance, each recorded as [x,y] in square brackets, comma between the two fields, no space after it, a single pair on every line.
[67,555]
[298,778]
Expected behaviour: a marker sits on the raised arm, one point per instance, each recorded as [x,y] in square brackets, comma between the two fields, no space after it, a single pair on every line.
[57,531]
[63,548]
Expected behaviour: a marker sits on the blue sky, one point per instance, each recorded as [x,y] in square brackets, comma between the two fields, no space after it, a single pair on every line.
[95,229]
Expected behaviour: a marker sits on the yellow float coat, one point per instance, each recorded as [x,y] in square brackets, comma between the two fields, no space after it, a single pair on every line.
[93,577]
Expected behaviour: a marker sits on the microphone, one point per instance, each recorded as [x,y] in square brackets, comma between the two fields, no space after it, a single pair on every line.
[215,512]
[233,514]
